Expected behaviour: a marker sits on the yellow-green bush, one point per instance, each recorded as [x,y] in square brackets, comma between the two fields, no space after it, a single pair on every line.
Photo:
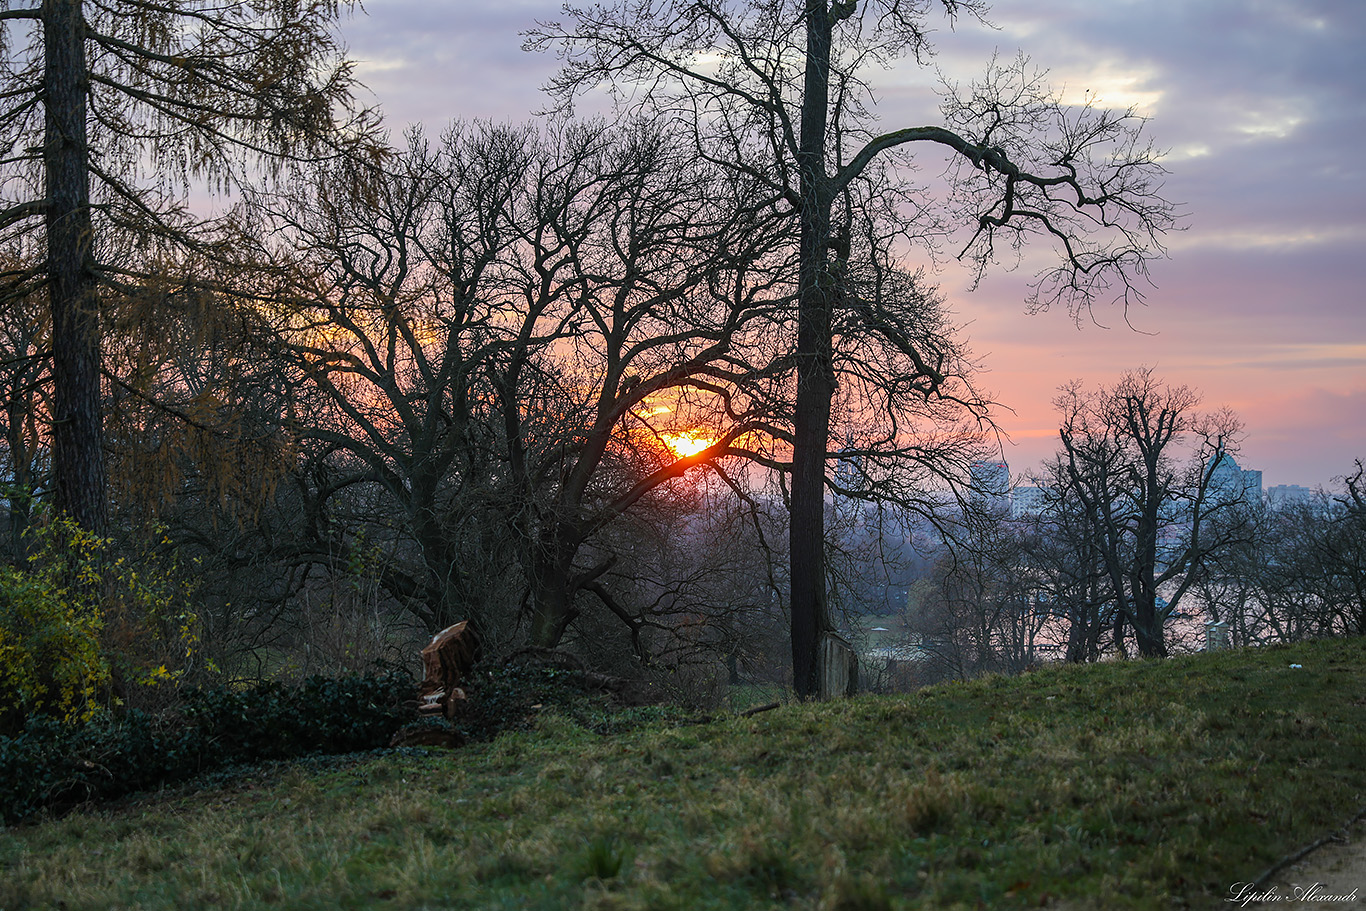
[50,656]
[83,623]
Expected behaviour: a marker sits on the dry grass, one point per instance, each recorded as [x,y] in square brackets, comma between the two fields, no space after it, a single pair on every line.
[1128,785]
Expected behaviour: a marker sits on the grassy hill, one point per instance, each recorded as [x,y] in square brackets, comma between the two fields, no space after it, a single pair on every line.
[1122,785]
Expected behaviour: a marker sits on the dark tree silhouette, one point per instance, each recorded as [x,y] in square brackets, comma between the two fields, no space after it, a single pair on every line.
[1158,520]
[776,89]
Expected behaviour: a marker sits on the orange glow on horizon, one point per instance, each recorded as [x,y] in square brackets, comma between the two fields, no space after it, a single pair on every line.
[688,443]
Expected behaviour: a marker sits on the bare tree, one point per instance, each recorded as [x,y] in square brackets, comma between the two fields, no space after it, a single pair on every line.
[1304,574]
[667,331]
[24,374]
[1345,549]
[510,334]
[387,290]
[1158,520]
[777,90]
[1064,551]
[695,584]
[113,109]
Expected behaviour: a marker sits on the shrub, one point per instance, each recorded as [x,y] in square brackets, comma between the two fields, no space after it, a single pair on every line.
[84,627]
[52,764]
[49,763]
[150,630]
[32,768]
[50,658]
[323,714]
[512,696]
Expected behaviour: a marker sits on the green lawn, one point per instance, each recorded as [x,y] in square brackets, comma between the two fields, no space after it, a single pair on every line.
[1124,785]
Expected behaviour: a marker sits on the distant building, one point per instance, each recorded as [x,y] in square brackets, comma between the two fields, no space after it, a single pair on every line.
[1231,483]
[1285,496]
[849,472]
[1027,501]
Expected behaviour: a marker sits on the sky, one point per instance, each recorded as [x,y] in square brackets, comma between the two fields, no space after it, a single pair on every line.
[1261,106]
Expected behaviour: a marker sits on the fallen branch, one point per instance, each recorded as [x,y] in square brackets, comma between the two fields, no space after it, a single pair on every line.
[760,708]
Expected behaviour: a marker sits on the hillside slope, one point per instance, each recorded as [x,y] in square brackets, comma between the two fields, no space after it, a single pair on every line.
[1121,785]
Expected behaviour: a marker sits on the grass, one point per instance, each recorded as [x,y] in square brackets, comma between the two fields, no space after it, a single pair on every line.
[752,695]
[1124,785]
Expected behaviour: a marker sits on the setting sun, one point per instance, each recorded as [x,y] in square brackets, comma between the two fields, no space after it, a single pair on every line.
[686,444]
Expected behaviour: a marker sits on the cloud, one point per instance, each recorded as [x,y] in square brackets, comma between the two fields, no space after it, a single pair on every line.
[432,63]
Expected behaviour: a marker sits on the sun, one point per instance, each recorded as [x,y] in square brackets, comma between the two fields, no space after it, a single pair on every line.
[688,443]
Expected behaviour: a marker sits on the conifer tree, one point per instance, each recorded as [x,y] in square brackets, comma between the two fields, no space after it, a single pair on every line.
[113,111]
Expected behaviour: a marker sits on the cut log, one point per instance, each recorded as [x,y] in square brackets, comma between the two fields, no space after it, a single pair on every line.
[766,707]
[446,661]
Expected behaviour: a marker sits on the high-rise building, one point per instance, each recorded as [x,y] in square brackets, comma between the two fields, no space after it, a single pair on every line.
[849,472]
[1231,483]
[1027,501]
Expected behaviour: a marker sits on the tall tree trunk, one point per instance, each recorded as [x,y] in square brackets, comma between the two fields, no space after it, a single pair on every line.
[1149,634]
[815,366]
[78,470]
[552,595]
[1119,633]
[21,458]
[552,610]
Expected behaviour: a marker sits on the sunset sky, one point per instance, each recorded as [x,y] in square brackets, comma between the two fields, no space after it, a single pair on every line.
[1262,104]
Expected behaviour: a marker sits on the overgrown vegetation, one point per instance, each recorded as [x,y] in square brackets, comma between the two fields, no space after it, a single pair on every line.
[514,696]
[53,764]
[1112,785]
[86,626]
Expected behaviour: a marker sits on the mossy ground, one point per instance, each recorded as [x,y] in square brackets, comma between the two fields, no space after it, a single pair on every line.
[1120,785]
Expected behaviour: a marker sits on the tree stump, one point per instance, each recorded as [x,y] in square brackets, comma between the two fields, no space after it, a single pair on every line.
[838,668]
[446,661]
